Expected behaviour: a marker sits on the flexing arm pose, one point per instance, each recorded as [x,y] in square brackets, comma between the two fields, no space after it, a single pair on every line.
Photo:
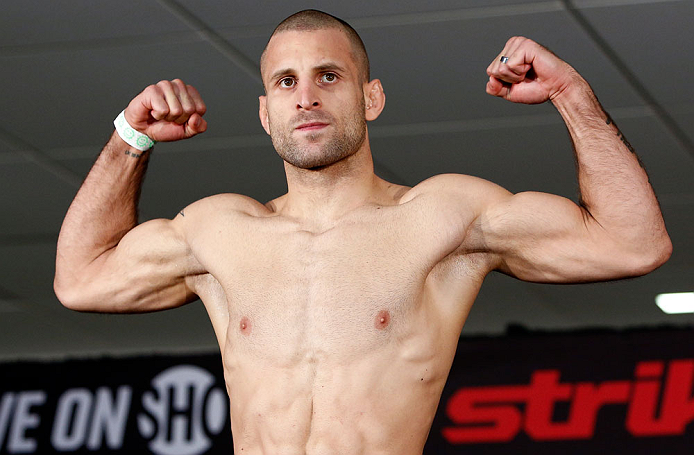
[340,303]
[616,231]
[105,261]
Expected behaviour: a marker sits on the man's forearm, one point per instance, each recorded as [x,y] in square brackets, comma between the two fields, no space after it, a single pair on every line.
[102,252]
[614,186]
[104,209]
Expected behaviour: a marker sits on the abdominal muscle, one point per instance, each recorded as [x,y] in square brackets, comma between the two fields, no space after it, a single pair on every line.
[377,395]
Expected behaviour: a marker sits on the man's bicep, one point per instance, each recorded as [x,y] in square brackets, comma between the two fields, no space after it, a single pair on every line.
[546,238]
[146,271]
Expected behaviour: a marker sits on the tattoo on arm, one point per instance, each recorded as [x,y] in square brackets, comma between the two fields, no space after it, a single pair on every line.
[133,154]
[621,136]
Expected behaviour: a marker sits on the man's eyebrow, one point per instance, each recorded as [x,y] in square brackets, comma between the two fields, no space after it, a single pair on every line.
[327,66]
[281,73]
[330,66]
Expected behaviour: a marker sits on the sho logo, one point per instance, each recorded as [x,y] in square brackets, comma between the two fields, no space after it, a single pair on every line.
[182,411]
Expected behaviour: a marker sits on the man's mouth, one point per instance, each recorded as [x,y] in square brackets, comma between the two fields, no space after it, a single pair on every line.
[311,126]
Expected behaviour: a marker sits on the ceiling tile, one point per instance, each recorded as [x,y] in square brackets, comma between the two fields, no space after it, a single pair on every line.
[176,179]
[679,220]
[179,179]
[33,203]
[36,21]
[684,117]
[222,15]
[81,92]
[653,41]
[29,271]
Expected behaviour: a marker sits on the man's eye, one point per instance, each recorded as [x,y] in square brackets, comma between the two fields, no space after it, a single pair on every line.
[287,82]
[328,77]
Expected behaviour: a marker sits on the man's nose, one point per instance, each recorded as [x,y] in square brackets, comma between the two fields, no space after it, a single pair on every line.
[308,96]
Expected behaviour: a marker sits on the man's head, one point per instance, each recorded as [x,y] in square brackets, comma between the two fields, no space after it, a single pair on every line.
[311,20]
[318,96]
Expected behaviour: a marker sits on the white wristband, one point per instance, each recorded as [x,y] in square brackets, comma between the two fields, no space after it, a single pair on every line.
[134,138]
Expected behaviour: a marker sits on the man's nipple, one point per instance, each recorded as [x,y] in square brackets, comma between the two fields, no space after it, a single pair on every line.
[245,325]
[382,319]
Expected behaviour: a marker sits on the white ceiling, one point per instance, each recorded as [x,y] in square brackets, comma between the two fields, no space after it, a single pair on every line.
[68,68]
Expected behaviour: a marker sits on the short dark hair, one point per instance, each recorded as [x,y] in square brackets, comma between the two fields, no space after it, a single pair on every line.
[311,19]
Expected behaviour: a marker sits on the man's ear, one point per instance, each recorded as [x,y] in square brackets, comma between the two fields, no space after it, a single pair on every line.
[262,113]
[374,99]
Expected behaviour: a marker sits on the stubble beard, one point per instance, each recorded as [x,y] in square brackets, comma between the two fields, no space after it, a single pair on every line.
[343,141]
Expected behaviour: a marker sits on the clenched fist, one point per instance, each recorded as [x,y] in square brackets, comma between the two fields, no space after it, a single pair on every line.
[529,73]
[167,111]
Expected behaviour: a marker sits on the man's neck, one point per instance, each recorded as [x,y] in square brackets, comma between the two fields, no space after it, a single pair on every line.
[319,197]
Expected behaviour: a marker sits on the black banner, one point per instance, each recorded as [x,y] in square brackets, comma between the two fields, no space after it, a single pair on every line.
[575,393]
[162,405]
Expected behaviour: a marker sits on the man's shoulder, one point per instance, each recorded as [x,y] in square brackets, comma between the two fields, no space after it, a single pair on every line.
[225,204]
[207,217]
[457,187]
[219,207]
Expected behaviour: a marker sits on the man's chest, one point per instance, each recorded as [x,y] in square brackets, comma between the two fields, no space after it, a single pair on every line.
[346,288]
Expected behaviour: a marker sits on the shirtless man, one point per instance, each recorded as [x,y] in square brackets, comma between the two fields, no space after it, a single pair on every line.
[338,306]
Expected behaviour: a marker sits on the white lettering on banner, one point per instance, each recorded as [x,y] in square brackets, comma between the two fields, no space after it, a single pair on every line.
[182,411]
[83,419]
[24,420]
[71,418]
[109,421]
[5,411]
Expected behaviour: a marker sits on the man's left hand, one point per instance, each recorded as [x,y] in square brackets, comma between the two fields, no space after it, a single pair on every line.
[526,72]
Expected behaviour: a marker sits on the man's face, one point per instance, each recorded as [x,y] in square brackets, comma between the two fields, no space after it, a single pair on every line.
[314,107]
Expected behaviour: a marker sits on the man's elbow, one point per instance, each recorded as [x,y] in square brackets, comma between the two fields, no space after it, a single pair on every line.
[663,251]
[77,295]
[91,295]
[68,295]
[653,256]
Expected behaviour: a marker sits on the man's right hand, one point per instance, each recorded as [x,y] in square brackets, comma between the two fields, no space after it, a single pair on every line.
[167,111]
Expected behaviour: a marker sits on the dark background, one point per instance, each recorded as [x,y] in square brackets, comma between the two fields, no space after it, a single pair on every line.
[68,68]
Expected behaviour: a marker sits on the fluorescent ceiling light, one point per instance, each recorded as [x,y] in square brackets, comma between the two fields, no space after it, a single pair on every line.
[676,303]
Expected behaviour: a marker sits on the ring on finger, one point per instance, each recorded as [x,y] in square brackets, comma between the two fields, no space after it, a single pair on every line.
[504,59]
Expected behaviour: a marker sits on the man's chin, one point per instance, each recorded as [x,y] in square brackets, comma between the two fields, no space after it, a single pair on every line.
[313,160]
[316,152]
[310,164]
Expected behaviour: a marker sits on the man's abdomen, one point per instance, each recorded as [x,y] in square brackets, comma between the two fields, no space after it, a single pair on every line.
[371,392]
